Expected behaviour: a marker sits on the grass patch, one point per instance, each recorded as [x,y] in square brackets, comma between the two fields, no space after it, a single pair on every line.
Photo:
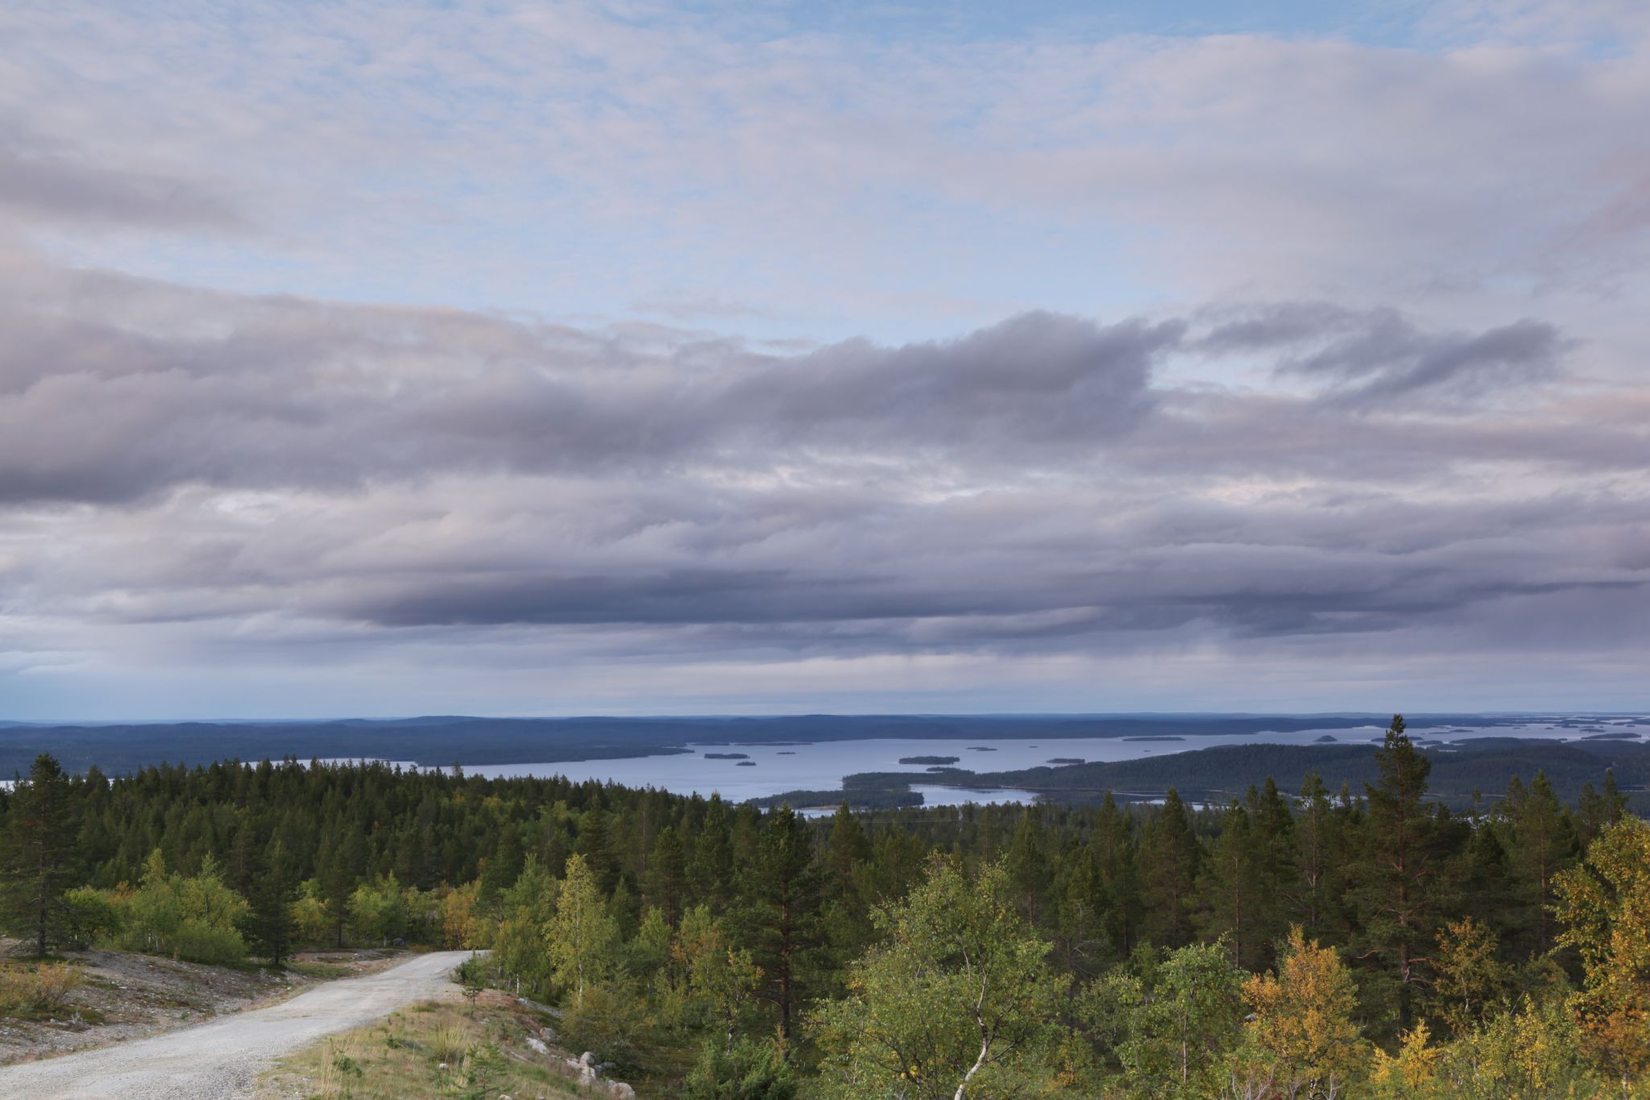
[434,1049]
[322,971]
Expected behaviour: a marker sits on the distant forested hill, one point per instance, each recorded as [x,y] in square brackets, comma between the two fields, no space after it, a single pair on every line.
[1220,773]
[443,740]
[1216,774]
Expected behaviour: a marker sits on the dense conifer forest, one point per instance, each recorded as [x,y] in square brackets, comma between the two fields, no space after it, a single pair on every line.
[1292,943]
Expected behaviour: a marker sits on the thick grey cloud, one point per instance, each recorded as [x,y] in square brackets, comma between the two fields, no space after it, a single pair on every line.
[1375,357]
[1036,485]
[1033,487]
[113,390]
[287,393]
[1037,380]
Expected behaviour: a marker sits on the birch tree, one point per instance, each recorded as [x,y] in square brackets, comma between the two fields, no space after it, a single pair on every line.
[957,1002]
[581,934]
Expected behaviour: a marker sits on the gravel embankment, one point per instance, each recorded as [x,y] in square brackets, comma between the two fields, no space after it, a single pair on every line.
[222,1059]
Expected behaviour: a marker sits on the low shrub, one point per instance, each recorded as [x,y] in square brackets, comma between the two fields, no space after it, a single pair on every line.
[750,1070]
[613,1022]
[40,989]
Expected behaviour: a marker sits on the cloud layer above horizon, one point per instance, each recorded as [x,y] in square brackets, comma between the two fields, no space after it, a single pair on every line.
[548,360]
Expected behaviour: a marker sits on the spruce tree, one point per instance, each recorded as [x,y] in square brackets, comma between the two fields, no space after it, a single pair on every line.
[1113,846]
[1026,863]
[38,853]
[712,862]
[1169,860]
[1544,843]
[340,870]
[275,885]
[1399,889]
[847,848]
[1320,863]
[664,884]
[782,889]
[1235,899]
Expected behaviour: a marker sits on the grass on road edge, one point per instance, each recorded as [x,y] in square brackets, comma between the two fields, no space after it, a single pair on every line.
[435,1049]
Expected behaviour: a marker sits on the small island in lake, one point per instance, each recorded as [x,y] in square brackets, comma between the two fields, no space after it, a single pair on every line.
[981,748]
[1067,760]
[1156,737]
[929,759]
[727,756]
[747,764]
[1325,739]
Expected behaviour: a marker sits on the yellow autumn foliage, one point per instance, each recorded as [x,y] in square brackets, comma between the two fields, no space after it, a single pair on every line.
[1604,904]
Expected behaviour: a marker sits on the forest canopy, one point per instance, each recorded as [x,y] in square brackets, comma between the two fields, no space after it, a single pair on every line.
[1314,942]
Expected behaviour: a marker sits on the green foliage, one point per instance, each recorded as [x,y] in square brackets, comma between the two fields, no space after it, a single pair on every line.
[90,915]
[1401,883]
[311,919]
[1168,863]
[958,998]
[192,917]
[783,890]
[748,1070]
[613,1018]
[713,980]
[1175,1018]
[38,856]
[1535,1050]
[378,910]
[581,935]
[269,923]
[684,923]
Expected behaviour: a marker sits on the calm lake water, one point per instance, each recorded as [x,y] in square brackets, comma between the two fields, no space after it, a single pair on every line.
[774,768]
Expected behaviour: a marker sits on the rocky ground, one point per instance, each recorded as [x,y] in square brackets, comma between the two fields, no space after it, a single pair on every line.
[125,996]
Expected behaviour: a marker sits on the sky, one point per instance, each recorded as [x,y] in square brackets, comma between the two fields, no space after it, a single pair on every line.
[386,358]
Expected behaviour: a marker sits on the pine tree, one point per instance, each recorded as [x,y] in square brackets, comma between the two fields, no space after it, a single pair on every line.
[38,855]
[595,844]
[1081,944]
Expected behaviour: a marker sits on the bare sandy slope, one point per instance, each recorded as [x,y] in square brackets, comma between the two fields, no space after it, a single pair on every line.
[222,1059]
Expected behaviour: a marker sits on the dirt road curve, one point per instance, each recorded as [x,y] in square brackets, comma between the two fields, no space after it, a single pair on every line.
[222,1059]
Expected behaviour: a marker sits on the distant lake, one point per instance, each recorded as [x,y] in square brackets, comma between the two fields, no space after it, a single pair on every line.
[821,765]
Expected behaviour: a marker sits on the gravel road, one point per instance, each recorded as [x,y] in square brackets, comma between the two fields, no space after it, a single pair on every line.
[222,1059]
